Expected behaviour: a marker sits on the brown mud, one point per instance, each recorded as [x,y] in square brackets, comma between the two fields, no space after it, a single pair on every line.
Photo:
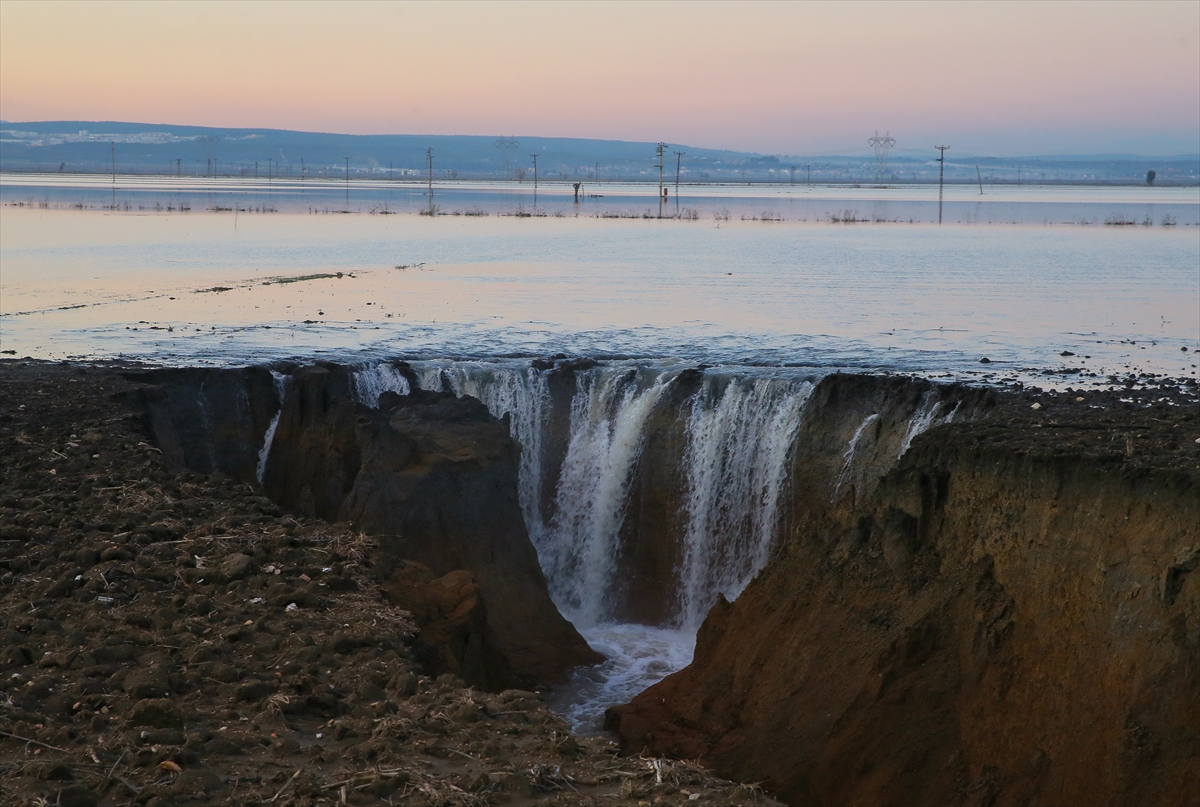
[1006,616]
[176,638]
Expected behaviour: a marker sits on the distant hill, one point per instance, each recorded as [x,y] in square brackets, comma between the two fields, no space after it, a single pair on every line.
[153,148]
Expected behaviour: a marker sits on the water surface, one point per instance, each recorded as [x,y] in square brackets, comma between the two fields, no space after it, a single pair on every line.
[205,288]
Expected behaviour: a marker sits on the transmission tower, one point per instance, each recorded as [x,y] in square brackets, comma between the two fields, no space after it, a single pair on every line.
[882,146]
[507,147]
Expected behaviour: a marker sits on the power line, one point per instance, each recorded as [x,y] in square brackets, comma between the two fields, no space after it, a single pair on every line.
[941,176]
[882,146]
[659,151]
[506,146]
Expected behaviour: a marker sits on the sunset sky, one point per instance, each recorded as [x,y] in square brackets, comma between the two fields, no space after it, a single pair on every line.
[809,78]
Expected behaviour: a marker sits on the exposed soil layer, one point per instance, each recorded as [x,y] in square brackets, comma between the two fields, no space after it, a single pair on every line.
[175,638]
[1009,615]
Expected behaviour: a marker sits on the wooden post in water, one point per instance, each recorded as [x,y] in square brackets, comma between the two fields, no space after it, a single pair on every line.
[429,160]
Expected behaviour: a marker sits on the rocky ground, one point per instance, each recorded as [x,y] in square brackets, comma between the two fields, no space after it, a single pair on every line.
[174,638]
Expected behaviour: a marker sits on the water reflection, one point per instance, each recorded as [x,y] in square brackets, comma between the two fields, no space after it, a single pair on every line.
[231,288]
[894,204]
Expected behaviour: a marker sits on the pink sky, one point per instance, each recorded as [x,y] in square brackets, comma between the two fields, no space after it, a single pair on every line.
[1006,78]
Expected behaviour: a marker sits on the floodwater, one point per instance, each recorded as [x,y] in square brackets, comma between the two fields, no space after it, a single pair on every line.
[236,287]
[962,204]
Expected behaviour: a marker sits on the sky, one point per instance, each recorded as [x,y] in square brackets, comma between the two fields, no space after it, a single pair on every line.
[1000,79]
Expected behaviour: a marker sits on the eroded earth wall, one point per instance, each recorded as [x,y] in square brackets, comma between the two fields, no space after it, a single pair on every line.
[1011,617]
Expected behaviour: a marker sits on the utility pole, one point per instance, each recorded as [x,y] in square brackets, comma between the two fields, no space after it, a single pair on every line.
[979,176]
[941,176]
[429,159]
[659,151]
[534,156]
[678,158]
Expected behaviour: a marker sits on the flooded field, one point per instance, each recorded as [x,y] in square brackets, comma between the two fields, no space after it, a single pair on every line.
[231,287]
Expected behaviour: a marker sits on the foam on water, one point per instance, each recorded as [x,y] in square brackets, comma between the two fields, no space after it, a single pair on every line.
[636,657]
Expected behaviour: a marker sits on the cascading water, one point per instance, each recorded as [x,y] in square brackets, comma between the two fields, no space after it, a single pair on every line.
[740,435]
[739,432]
[608,414]
[371,382]
[847,471]
[921,420]
[280,386]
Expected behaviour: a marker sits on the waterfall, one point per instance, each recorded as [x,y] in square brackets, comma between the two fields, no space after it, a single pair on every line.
[921,420]
[608,413]
[371,382]
[734,440]
[739,441]
[739,434]
[848,458]
[280,386]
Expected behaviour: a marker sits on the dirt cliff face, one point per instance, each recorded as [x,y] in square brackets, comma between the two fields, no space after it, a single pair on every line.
[1010,616]
[434,477]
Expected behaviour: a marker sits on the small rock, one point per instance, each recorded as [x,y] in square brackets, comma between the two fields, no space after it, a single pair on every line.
[371,693]
[237,565]
[405,684]
[1036,406]
[157,713]
[985,360]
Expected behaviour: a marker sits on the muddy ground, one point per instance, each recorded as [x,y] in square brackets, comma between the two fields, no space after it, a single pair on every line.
[171,638]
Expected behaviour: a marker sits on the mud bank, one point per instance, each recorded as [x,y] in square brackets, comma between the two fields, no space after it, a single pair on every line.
[433,477]
[1008,615]
[170,638]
